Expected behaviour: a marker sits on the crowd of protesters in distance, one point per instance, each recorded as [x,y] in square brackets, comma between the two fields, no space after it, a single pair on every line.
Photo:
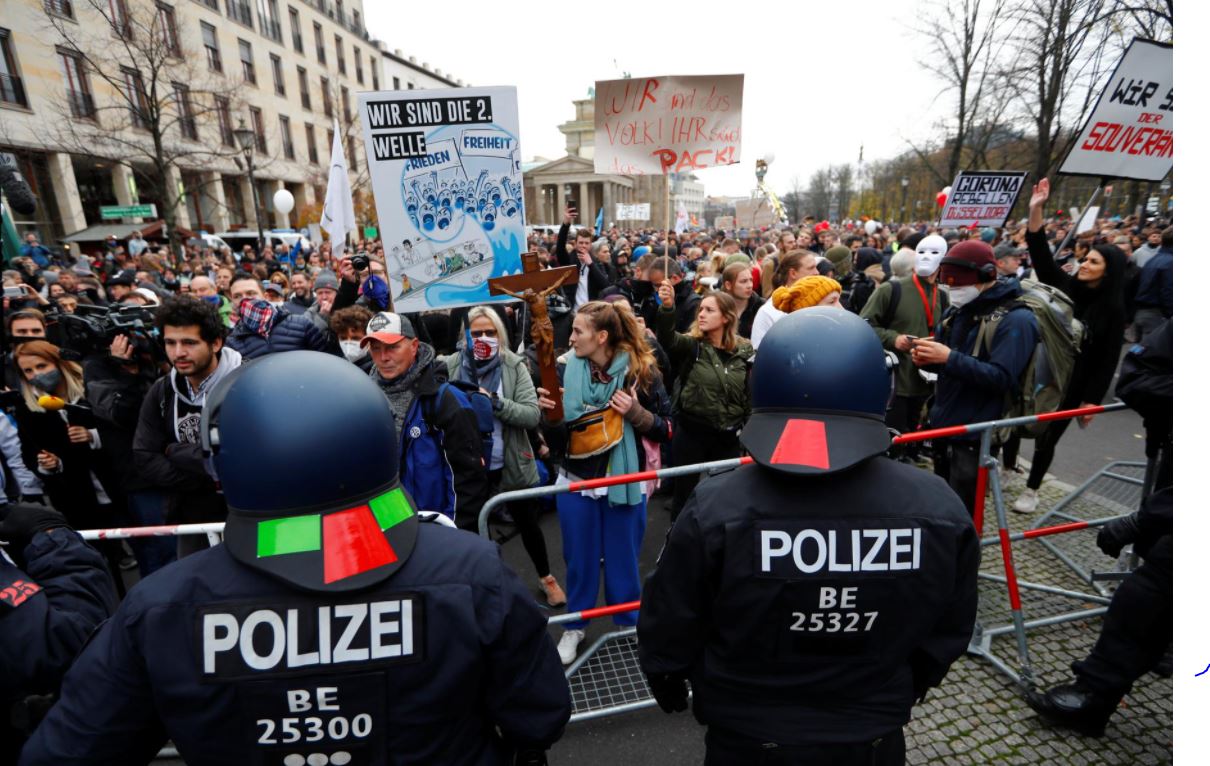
[111,356]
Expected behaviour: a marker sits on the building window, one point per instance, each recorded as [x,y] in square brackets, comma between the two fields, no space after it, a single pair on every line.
[239,10]
[12,89]
[79,94]
[327,94]
[312,151]
[60,8]
[331,138]
[395,83]
[340,55]
[245,58]
[357,66]
[136,98]
[287,141]
[411,86]
[279,81]
[344,103]
[352,152]
[374,73]
[184,109]
[270,19]
[211,4]
[258,129]
[321,54]
[119,18]
[296,31]
[166,17]
[223,108]
[340,12]
[210,43]
[304,90]
[357,21]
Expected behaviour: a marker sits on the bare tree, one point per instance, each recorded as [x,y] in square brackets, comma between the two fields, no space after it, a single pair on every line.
[963,47]
[155,97]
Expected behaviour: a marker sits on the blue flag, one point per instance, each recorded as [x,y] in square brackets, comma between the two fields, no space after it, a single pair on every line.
[600,220]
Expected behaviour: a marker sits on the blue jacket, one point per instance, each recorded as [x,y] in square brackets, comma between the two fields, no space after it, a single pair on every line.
[970,389]
[289,333]
[1155,283]
[480,660]
[40,254]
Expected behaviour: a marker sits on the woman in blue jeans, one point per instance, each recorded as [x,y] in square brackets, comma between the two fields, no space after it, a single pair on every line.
[611,368]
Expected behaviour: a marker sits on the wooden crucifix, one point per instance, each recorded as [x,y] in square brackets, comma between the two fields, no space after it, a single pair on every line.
[532,286]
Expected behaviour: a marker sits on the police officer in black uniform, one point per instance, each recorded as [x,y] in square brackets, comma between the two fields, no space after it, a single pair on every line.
[811,598]
[331,626]
[54,590]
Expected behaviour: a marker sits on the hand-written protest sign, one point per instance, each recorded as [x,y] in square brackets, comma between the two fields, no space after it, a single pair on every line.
[982,197]
[448,190]
[639,211]
[650,125]
[1129,133]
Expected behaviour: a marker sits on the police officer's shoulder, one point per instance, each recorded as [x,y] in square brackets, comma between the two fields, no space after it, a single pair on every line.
[446,554]
[911,482]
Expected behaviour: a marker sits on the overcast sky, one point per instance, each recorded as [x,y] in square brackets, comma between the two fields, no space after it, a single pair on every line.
[814,90]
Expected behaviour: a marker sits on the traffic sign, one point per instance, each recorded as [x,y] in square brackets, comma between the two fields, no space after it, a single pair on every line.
[111,212]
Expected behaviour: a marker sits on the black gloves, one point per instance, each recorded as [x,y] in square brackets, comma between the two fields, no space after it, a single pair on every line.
[670,691]
[1117,534]
[22,523]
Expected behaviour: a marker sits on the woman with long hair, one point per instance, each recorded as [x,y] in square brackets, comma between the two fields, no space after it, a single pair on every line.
[737,282]
[1097,290]
[486,363]
[711,400]
[613,398]
[59,438]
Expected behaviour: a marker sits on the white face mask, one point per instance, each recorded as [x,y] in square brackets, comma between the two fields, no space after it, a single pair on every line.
[929,253]
[960,296]
[352,350]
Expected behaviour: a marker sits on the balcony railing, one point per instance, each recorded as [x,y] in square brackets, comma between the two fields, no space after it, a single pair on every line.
[82,105]
[12,90]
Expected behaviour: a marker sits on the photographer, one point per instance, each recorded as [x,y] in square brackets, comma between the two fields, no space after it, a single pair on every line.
[363,281]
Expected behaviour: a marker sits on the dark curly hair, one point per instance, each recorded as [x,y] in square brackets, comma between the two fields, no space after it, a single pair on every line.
[187,311]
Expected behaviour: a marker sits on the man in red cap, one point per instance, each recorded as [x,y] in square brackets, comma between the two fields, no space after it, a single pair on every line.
[977,371]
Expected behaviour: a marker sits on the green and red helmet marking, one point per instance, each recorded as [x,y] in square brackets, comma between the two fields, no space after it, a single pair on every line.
[352,540]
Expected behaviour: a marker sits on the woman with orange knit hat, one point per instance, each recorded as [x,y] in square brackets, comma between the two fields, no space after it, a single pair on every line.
[807,292]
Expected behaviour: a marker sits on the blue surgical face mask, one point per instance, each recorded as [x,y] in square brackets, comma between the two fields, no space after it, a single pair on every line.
[48,381]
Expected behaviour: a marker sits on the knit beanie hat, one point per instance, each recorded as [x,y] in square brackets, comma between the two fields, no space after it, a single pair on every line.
[326,280]
[737,258]
[804,293]
[842,258]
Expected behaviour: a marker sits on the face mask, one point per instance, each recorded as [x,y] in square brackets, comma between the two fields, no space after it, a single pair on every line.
[485,348]
[47,381]
[352,349]
[929,253]
[960,296]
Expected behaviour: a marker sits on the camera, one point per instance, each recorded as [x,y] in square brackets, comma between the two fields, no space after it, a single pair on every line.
[361,262]
[92,329]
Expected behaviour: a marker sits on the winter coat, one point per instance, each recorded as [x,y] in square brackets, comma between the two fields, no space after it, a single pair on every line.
[909,319]
[116,396]
[974,389]
[598,276]
[749,315]
[517,410]
[289,333]
[712,386]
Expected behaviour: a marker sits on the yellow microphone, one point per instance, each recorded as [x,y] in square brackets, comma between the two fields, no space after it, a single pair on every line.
[51,403]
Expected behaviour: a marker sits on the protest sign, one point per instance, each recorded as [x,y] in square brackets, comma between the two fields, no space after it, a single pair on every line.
[724,222]
[981,197]
[660,125]
[754,213]
[633,212]
[1129,133]
[447,185]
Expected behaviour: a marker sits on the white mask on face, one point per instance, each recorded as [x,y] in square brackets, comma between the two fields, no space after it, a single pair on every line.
[929,253]
[352,350]
[960,296]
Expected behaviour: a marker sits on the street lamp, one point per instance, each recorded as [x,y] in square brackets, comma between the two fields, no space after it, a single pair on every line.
[903,182]
[246,138]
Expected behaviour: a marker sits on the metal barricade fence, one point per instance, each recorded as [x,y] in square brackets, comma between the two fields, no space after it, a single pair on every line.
[612,682]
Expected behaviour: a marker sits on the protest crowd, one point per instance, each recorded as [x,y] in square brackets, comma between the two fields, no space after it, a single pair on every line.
[112,356]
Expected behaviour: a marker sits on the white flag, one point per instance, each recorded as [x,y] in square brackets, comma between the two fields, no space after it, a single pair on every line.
[338,204]
[682,219]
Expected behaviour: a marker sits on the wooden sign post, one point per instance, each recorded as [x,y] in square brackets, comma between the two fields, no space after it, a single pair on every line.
[532,286]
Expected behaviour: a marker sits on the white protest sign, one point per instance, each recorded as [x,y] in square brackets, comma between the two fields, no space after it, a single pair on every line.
[660,125]
[980,197]
[1129,133]
[1088,221]
[633,212]
[448,191]
[724,222]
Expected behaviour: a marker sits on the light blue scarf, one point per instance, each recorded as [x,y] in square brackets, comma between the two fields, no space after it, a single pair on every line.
[583,394]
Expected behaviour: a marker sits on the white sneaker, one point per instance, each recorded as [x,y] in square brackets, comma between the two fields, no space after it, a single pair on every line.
[1027,501]
[569,644]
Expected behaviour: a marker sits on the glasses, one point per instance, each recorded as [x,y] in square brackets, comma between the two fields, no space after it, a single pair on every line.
[483,333]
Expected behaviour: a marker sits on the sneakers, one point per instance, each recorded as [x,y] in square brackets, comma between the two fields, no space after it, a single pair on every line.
[554,594]
[569,644]
[1027,501]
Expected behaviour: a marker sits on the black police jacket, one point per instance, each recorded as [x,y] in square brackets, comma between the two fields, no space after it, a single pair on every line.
[431,666]
[809,610]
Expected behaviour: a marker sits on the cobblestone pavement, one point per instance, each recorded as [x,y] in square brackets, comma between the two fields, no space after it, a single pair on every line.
[979,716]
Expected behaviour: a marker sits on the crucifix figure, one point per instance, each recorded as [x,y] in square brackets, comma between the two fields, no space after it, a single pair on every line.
[532,286]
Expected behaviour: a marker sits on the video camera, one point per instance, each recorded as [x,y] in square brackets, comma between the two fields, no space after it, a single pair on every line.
[91,329]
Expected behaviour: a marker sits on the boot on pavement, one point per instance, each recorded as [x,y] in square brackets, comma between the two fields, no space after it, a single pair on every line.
[554,594]
[1074,707]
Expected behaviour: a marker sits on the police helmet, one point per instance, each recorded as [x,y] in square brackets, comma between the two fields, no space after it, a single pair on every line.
[304,446]
[820,385]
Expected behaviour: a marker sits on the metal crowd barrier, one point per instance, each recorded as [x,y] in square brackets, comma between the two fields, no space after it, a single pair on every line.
[605,678]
